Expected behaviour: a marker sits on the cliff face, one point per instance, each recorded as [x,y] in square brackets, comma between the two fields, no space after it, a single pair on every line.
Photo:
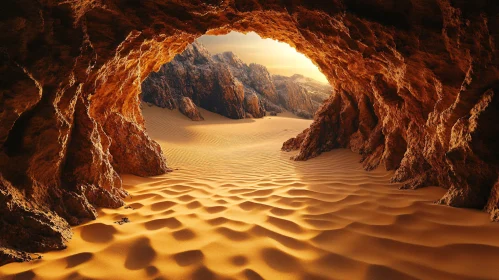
[201,78]
[297,94]
[256,81]
[415,90]
[193,77]
[316,90]
[301,95]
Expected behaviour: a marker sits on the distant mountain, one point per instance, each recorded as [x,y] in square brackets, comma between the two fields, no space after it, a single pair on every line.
[224,84]
[301,95]
[318,90]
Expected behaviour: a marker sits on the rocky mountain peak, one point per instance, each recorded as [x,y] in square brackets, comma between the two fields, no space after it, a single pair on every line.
[229,58]
[224,84]
[196,54]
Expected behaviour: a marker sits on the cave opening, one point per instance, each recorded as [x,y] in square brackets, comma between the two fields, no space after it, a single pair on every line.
[237,76]
[239,91]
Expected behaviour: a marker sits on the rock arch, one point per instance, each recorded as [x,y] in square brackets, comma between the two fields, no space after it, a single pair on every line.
[415,83]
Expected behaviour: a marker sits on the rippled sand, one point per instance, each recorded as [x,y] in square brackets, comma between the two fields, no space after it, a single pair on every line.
[238,208]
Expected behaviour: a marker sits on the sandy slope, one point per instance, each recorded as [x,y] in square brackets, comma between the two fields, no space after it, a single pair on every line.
[239,208]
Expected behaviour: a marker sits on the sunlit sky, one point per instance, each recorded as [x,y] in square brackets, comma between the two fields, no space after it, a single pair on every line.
[278,57]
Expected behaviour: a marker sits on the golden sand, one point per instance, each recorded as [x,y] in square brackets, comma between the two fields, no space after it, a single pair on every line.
[238,208]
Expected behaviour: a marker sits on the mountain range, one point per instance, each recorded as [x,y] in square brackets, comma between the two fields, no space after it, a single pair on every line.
[224,84]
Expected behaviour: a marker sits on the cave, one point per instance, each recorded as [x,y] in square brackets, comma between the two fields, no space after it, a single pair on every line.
[414,81]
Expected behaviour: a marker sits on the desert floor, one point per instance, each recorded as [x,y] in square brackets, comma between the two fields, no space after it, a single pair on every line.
[238,208]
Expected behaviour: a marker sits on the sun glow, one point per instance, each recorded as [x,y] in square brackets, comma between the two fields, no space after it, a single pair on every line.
[278,57]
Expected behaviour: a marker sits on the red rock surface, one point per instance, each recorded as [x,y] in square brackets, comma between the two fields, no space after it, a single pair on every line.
[415,82]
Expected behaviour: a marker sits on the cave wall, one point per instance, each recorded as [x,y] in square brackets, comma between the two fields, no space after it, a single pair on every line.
[415,90]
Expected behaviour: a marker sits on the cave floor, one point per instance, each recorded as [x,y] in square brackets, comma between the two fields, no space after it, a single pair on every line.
[236,207]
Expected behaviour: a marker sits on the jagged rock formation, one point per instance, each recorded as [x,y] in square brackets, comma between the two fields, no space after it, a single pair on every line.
[188,108]
[415,82]
[297,94]
[9,255]
[256,81]
[209,81]
[301,95]
[195,75]
[253,106]
[316,90]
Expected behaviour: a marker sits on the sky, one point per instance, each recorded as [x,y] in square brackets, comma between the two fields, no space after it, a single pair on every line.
[278,57]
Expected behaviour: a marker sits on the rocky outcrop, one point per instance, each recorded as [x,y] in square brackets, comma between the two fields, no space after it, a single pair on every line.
[473,153]
[295,97]
[150,160]
[259,89]
[415,90]
[294,143]
[19,222]
[261,81]
[188,108]
[253,106]
[317,91]
[195,75]
[202,78]
[297,94]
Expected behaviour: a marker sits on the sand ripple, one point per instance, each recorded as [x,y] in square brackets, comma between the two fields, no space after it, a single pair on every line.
[238,208]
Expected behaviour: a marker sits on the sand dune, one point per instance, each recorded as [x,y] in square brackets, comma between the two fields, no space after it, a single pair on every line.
[238,208]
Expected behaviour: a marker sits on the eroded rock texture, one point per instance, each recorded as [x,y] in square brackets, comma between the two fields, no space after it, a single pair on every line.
[415,81]
[297,94]
[196,75]
[300,95]
[216,83]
